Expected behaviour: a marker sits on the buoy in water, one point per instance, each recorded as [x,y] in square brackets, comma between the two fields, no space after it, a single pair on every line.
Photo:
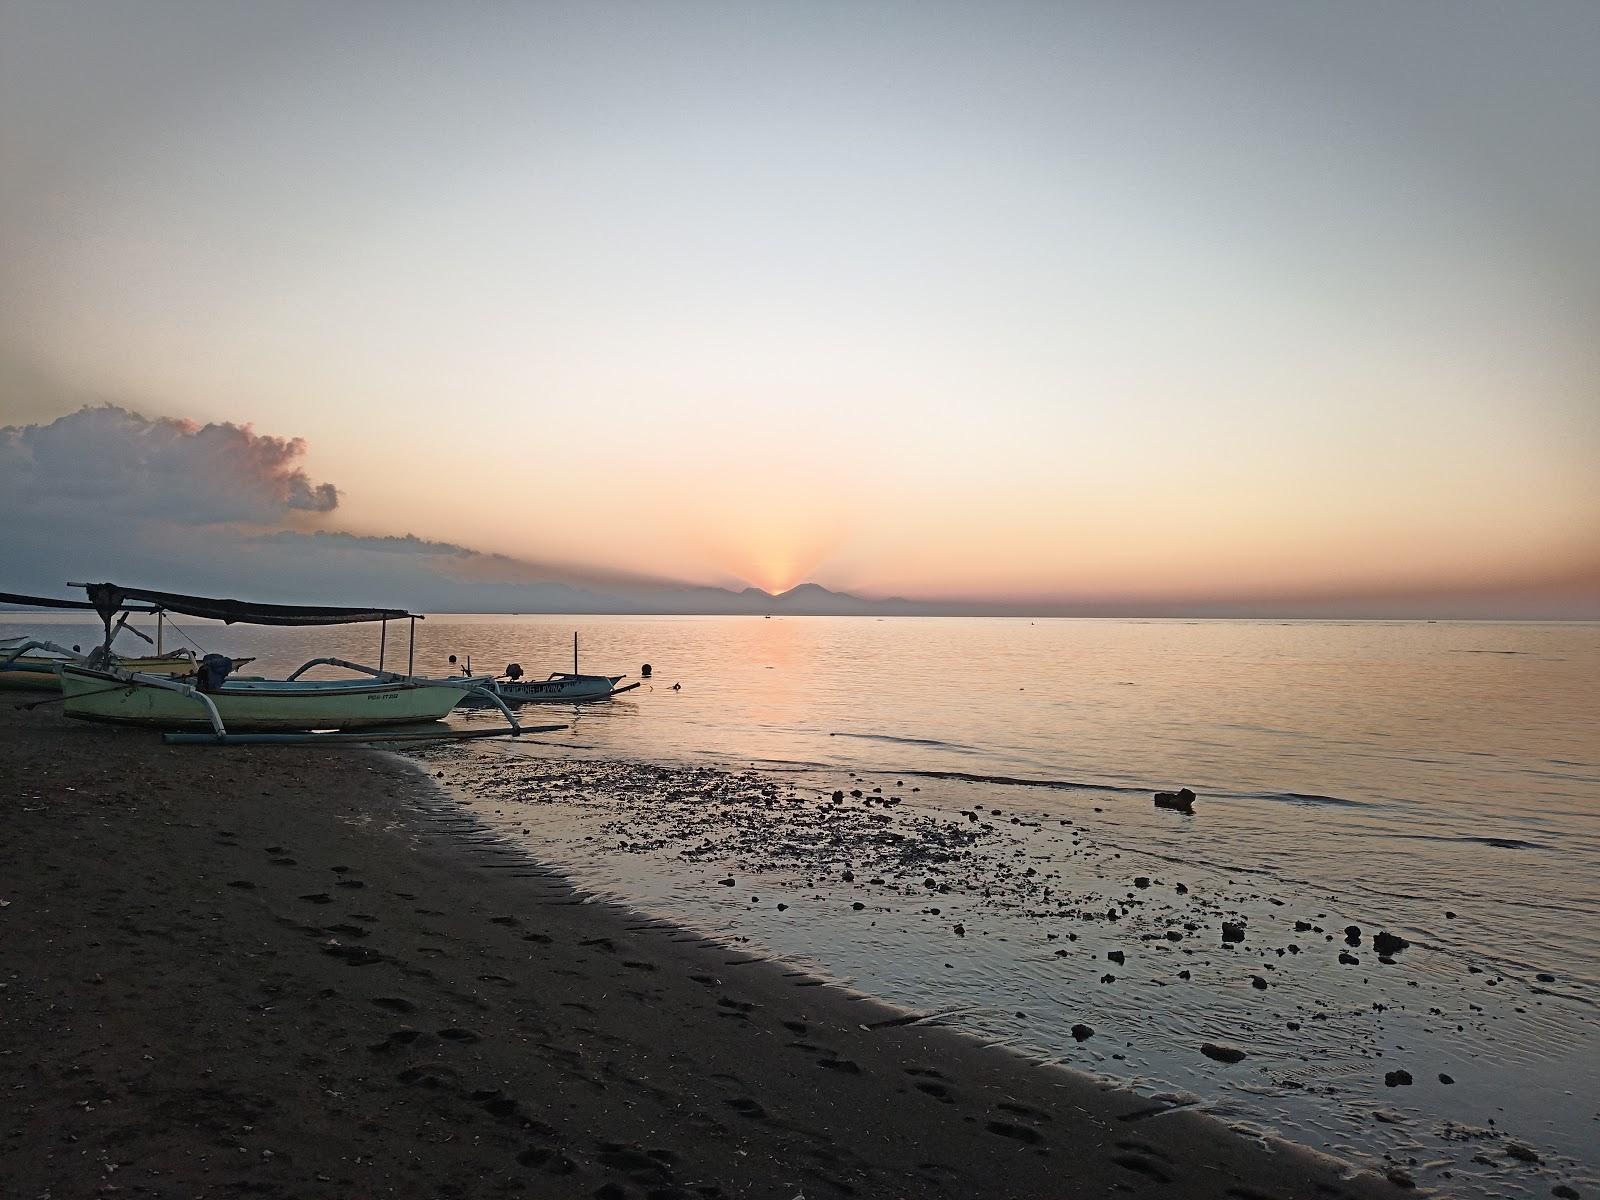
[644,671]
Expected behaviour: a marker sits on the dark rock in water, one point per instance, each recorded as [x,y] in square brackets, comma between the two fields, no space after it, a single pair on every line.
[856,792]
[1302,926]
[1545,977]
[726,882]
[1449,914]
[1258,983]
[1182,889]
[1081,1033]
[1399,1178]
[1352,934]
[1521,1153]
[1183,974]
[1233,931]
[1389,943]
[1565,1191]
[960,931]
[848,877]
[1401,1078]
[1222,1054]
[838,797]
[1347,958]
[1181,800]
[1445,1079]
[858,906]
[1174,936]
[1115,956]
[1141,882]
[1108,979]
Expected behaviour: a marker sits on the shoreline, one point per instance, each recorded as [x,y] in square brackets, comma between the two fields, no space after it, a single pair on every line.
[298,973]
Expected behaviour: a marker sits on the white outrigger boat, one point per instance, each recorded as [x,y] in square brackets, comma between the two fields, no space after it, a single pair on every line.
[562,687]
[218,709]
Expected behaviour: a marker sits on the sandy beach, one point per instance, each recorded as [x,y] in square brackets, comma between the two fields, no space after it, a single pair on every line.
[307,973]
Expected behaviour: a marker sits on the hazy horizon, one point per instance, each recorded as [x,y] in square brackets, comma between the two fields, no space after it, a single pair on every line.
[1023,309]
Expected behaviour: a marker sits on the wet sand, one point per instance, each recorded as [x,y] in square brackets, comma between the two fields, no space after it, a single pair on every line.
[307,973]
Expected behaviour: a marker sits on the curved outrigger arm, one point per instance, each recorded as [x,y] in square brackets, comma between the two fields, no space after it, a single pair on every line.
[12,653]
[183,689]
[375,672]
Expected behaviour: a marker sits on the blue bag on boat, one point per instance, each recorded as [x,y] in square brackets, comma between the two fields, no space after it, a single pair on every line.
[214,668]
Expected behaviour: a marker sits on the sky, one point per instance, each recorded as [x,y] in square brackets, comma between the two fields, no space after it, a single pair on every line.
[1223,306]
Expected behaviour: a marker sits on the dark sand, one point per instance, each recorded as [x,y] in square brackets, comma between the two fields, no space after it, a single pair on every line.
[305,973]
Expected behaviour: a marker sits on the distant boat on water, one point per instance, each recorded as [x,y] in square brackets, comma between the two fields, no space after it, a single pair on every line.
[562,687]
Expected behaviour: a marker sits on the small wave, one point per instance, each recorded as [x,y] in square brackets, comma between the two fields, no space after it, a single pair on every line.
[1491,652]
[906,741]
[1309,799]
[1065,785]
[1499,843]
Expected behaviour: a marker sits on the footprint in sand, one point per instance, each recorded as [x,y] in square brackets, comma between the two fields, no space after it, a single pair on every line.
[455,1033]
[502,920]
[241,883]
[350,883]
[318,898]
[394,1004]
[747,1107]
[843,1065]
[1019,1133]
[1141,1165]
[937,1090]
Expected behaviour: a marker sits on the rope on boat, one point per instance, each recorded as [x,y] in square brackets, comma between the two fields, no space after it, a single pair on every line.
[62,699]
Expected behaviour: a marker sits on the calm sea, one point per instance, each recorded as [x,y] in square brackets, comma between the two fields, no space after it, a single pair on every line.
[1437,780]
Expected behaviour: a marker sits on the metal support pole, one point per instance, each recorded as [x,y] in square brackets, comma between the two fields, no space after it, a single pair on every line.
[574,651]
[383,641]
[411,651]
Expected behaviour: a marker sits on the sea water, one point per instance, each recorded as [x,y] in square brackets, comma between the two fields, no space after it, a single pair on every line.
[1438,781]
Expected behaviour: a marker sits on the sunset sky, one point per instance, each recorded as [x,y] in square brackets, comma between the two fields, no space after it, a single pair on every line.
[1003,302]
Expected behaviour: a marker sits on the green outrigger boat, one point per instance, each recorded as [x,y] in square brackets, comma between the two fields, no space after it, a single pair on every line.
[29,664]
[214,708]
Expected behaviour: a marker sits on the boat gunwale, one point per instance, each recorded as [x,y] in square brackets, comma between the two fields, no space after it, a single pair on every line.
[280,689]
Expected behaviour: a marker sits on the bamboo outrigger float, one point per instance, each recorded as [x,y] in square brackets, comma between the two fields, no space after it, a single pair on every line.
[217,710]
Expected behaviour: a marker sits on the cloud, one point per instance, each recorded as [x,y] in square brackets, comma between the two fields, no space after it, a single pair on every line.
[123,466]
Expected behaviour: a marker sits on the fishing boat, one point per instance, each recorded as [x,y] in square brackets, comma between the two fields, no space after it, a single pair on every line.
[220,707]
[562,687]
[34,664]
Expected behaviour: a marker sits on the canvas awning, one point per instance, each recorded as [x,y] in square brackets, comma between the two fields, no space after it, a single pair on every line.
[110,598]
[48,602]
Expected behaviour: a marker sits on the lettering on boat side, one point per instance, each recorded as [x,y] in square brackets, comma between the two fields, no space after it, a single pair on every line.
[384,696]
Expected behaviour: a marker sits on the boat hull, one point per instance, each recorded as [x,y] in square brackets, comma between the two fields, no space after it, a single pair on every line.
[558,689]
[34,672]
[256,705]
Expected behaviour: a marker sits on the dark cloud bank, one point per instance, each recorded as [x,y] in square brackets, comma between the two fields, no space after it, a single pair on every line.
[107,493]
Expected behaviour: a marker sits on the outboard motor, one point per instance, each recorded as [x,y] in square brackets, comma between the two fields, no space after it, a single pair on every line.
[213,669]
[513,670]
[644,671]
